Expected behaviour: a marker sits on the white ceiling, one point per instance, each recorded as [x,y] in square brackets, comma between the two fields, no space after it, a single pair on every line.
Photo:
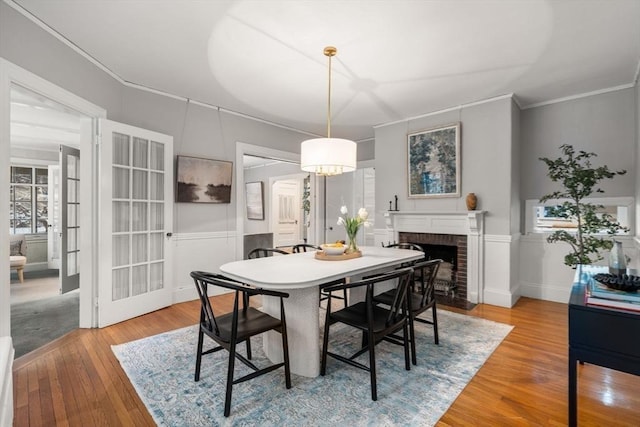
[396,59]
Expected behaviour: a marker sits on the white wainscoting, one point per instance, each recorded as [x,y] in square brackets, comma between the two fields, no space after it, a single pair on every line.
[199,251]
[6,381]
[543,274]
[501,270]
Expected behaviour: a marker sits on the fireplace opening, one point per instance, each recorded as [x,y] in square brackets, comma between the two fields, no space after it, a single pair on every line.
[451,282]
[446,280]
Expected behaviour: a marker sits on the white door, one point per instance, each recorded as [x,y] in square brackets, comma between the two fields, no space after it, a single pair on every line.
[69,219]
[53,227]
[136,215]
[286,208]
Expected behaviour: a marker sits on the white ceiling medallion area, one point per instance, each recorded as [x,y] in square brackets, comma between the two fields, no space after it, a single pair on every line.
[398,58]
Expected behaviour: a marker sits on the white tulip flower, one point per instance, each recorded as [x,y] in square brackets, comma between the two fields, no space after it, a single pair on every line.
[363,214]
[343,210]
[341,221]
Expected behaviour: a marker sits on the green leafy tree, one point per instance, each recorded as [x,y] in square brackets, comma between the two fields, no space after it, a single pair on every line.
[579,179]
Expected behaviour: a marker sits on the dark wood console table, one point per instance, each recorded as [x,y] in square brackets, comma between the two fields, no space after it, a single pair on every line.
[601,336]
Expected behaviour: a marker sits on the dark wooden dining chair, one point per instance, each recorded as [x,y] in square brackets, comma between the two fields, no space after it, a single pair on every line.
[376,323]
[265,252]
[239,326]
[404,245]
[305,247]
[418,300]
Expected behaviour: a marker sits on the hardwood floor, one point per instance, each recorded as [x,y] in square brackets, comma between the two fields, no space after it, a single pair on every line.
[77,381]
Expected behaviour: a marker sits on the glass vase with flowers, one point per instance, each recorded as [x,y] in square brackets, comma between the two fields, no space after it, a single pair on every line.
[352,224]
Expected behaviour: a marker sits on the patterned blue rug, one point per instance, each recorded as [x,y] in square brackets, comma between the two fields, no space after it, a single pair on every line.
[161,369]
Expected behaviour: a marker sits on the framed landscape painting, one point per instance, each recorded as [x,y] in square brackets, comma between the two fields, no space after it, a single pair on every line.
[433,162]
[254,200]
[203,180]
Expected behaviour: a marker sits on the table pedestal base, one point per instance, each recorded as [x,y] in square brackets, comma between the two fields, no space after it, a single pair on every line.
[303,331]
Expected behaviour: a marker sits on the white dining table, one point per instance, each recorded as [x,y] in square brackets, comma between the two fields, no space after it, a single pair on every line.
[300,275]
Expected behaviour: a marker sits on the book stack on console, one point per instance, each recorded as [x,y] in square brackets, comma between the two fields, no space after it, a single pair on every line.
[615,291]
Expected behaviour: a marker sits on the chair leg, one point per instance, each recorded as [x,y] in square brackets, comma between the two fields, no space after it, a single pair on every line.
[20,272]
[372,366]
[346,304]
[199,354]
[232,360]
[405,329]
[325,343]
[412,340]
[285,352]
[248,341]
[435,324]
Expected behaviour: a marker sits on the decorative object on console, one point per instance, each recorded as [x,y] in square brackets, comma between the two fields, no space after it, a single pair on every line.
[617,259]
[352,225]
[203,180]
[472,201]
[579,179]
[328,156]
[434,162]
[620,282]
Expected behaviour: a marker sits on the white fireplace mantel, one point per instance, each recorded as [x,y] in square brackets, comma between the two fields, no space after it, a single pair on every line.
[466,223]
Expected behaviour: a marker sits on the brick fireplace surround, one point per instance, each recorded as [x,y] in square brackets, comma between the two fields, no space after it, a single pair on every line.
[462,229]
[452,240]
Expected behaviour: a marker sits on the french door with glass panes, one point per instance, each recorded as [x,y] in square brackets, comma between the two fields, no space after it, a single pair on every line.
[69,219]
[135,215]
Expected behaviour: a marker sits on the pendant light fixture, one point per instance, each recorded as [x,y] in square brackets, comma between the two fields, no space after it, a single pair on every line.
[328,156]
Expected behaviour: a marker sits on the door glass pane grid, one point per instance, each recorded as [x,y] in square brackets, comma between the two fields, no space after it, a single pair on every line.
[73,167]
[156,276]
[72,263]
[139,280]
[73,185]
[156,190]
[156,156]
[72,239]
[120,183]
[140,152]
[120,220]
[156,216]
[139,250]
[140,184]
[120,149]
[120,250]
[120,284]
[139,216]
[156,246]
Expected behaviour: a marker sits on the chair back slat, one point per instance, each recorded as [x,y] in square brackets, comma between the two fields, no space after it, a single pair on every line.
[427,273]
[404,245]
[304,247]
[265,252]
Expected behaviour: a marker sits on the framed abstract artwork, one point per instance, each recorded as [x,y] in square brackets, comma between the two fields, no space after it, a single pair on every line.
[254,197]
[433,162]
[203,180]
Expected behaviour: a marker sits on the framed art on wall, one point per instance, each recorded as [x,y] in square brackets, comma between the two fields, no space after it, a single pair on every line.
[254,199]
[203,180]
[433,162]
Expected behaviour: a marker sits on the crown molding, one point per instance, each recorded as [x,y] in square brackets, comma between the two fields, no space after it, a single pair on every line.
[581,95]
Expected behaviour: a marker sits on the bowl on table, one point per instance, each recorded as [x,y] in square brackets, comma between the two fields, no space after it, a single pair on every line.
[333,248]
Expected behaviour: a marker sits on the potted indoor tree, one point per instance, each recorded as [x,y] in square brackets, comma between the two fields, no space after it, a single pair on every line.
[579,180]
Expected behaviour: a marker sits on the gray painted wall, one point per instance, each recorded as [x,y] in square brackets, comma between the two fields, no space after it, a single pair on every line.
[197,131]
[604,124]
[486,152]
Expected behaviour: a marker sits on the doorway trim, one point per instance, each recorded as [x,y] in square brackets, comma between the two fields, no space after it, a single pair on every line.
[13,74]
[242,149]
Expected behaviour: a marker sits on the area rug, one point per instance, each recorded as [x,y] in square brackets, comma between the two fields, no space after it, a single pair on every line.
[161,369]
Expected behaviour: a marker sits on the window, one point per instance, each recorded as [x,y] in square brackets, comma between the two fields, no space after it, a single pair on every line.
[540,220]
[28,200]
